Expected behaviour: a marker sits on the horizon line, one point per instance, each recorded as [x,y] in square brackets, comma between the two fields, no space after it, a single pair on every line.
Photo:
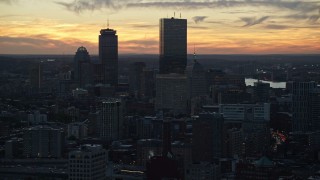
[135,54]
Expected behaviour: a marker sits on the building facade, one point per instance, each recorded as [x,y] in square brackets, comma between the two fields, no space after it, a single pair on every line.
[242,112]
[173,45]
[108,56]
[207,137]
[110,119]
[302,103]
[196,80]
[43,142]
[83,69]
[89,162]
[171,94]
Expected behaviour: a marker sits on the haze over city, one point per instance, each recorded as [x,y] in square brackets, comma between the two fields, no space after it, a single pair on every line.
[214,26]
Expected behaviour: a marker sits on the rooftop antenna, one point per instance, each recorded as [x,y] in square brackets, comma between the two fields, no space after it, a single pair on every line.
[180,15]
[174,14]
[108,23]
[194,53]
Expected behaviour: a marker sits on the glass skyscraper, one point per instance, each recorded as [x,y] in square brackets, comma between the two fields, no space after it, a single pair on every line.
[108,55]
[173,45]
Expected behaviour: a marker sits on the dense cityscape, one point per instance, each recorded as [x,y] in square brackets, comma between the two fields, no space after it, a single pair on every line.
[171,115]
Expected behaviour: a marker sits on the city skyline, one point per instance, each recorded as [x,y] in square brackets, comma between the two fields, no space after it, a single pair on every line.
[214,26]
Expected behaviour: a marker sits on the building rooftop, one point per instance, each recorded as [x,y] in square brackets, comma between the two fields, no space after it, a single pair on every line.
[263,162]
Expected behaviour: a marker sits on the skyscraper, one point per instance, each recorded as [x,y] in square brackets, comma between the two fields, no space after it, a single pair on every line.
[43,142]
[171,93]
[108,55]
[173,45]
[135,75]
[207,137]
[196,80]
[261,92]
[302,105]
[110,120]
[83,69]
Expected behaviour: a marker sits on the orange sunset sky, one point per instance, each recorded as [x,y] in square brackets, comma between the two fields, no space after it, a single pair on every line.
[214,26]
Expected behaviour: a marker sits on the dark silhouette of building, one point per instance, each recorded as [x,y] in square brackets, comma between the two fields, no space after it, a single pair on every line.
[261,92]
[83,69]
[173,45]
[165,166]
[315,109]
[263,168]
[36,77]
[302,106]
[196,79]
[147,86]
[110,119]
[207,137]
[135,77]
[108,55]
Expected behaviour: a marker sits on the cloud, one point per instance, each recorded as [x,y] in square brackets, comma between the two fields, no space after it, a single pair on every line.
[9,2]
[144,26]
[40,43]
[313,19]
[198,27]
[80,6]
[277,27]
[143,43]
[198,19]
[281,27]
[251,21]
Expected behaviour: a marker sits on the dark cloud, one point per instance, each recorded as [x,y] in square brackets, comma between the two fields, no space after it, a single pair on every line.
[198,27]
[144,43]
[79,6]
[251,21]
[198,19]
[313,19]
[277,27]
[9,2]
[143,26]
[281,27]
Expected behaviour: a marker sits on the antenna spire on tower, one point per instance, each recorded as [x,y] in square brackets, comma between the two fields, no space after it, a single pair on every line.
[108,23]
[194,53]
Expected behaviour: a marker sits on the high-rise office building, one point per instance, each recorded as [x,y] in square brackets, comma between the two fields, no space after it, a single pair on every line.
[111,119]
[108,55]
[302,104]
[261,92]
[173,45]
[43,142]
[171,94]
[315,109]
[135,75]
[196,80]
[207,137]
[83,69]
[36,77]
[147,83]
[89,162]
